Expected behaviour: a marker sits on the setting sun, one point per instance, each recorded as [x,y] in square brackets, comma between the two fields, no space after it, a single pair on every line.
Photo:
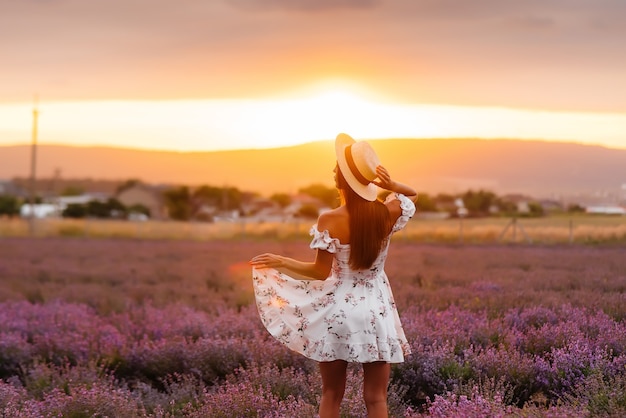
[315,113]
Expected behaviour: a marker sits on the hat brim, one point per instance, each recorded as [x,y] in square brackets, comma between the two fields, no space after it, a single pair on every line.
[367,192]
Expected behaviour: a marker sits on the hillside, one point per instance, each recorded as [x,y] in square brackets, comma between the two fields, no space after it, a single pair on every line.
[437,165]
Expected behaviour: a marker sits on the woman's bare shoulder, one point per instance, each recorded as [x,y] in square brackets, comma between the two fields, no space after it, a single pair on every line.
[336,222]
[393,206]
[332,217]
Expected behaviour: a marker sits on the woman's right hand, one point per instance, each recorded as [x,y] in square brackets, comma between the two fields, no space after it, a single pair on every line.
[267,260]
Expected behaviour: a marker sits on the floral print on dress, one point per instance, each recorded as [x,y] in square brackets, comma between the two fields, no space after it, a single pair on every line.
[324,319]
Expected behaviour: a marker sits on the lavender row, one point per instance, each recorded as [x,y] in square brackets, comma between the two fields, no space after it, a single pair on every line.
[59,358]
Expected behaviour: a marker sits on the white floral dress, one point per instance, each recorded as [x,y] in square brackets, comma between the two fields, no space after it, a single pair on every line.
[349,316]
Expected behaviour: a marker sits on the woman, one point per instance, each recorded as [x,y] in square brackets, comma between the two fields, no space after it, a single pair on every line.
[344,311]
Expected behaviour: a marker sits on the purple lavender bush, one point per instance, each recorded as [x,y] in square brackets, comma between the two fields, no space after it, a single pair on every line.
[59,359]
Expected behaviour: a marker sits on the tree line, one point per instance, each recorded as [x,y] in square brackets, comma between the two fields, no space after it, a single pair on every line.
[186,203]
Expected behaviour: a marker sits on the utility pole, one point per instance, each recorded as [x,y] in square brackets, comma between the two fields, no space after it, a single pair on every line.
[33,170]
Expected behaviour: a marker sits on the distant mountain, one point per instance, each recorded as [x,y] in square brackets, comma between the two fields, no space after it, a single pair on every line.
[537,168]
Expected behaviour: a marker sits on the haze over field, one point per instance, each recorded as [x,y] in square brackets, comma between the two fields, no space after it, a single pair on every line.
[438,165]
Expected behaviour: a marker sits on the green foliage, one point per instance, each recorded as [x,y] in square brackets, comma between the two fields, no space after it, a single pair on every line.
[9,205]
[178,202]
[478,203]
[308,211]
[535,209]
[183,205]
[116,207]
[425,203]
[328,195]
[97,209]
[223,198]
[128,184]
[575,208]
[507,207]
[445,198]
[282,199]
[452,369]
[72,190]
[74,210]
[232,198]
[210,195]
[112,208]
[603,396]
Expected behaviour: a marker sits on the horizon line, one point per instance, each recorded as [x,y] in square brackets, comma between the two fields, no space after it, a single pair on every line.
[274,147]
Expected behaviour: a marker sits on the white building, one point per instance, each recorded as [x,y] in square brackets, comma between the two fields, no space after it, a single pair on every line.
[56,205]
[42,210]
[606,210]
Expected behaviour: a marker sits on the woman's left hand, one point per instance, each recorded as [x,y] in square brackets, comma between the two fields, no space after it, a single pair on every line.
[384,178]
[267,260]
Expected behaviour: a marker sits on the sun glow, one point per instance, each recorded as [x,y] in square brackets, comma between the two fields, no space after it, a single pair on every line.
[317,113]
[323,115]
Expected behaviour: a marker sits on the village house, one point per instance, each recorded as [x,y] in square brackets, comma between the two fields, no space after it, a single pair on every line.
[300,201]
[521,202]
[261,209]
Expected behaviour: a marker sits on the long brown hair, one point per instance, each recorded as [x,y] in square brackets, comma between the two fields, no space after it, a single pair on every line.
[370,224]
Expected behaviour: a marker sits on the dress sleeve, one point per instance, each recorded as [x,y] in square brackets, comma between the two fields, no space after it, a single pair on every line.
[408,210]
[323,240]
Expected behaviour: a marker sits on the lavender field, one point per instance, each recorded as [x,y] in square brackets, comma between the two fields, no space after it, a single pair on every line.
[138,328]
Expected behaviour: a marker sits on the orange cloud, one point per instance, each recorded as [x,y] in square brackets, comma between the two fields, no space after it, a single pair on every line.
[557,55]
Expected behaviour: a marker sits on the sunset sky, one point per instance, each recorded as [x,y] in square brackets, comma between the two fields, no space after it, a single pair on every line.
[225,74]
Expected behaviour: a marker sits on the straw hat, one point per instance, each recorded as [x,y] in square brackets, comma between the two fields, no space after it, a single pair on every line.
[357,162]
